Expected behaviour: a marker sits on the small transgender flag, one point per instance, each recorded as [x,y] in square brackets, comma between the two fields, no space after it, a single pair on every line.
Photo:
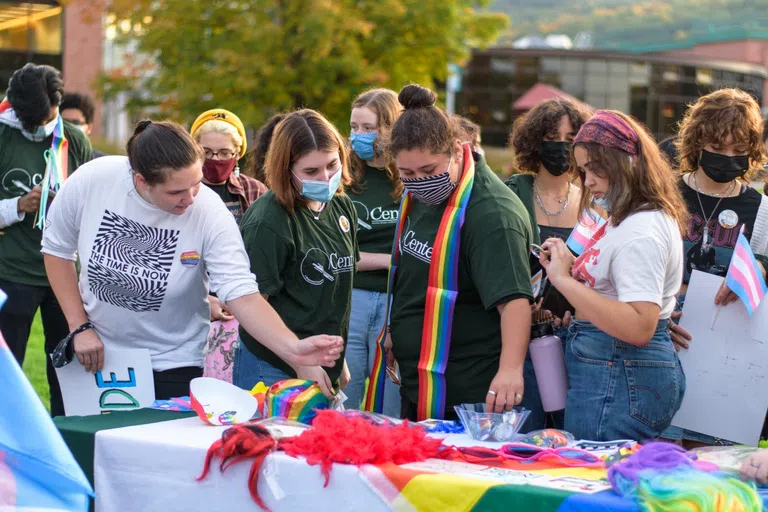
[590,222]
[744,277]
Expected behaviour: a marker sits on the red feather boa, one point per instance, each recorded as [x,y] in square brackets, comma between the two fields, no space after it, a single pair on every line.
[332,438]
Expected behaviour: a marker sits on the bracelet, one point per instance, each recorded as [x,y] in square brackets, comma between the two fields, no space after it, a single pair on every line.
[64,352]
[84,327]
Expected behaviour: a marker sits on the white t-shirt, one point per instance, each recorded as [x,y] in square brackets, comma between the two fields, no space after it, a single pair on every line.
[641,260]
[144,272]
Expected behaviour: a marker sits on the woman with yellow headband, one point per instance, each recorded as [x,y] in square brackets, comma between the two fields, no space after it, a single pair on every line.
[222,137]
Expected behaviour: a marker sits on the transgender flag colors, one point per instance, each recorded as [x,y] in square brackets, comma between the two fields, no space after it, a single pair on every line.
[37,470]
[590,222]
[744,276]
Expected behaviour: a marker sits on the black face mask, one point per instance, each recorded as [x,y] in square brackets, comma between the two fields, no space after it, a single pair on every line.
[555,156]
[721,168]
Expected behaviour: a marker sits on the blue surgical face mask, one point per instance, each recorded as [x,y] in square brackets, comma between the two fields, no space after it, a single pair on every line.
[363,145]
[42,132]
[604,203]
[322,191]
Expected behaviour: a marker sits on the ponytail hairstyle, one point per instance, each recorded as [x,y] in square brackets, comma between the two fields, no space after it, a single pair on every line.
[157,149]
[383,103]
[422,125]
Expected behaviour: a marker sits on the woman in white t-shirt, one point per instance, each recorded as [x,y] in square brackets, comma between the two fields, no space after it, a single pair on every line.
[149,238]
[625,380]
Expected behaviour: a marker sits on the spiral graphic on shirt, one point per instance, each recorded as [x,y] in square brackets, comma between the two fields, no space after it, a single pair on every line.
[130,263]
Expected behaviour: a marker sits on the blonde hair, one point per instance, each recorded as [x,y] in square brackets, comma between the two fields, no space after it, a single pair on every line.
[713,118]
[383,103]
[299,133]
[223,128]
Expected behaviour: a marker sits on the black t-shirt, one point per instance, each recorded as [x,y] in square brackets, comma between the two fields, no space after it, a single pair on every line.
[553,299]
[231,200]
[726,217]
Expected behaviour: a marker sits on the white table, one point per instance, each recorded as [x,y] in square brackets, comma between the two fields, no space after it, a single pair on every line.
[154,467]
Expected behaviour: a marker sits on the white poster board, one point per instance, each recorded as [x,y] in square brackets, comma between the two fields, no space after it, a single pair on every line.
[726,366]
[125,383]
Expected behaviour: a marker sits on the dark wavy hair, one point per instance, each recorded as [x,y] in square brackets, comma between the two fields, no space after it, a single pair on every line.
[530,129]
[32,92]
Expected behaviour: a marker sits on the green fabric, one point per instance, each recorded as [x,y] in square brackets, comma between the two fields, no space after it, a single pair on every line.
[79,432]
[522,185]
[377,219]
[493,269]
[530,498]
[305,266]
[22,159]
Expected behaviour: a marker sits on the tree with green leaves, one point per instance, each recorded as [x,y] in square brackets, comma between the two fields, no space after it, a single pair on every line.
[258,57]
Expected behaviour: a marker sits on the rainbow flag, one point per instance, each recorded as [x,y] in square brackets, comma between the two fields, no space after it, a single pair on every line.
[744,276]
[590,222]
[37,470]
[450,486]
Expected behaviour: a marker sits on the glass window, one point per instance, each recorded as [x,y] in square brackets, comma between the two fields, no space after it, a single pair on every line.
[30,27]
[502,65]
[670,74]
[704,76]
[550,65]
[572,66]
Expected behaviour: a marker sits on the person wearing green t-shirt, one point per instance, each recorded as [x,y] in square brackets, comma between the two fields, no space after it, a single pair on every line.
[375,191]
[28,118]
[302,243]
[460,317]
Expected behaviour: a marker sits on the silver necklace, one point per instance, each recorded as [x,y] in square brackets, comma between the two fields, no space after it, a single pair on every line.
[316,215]
[539,202]
[705,241]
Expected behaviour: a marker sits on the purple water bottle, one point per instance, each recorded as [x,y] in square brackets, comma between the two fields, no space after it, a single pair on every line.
[549,365]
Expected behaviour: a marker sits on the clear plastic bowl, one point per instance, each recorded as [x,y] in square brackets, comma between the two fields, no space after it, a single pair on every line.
[491,426]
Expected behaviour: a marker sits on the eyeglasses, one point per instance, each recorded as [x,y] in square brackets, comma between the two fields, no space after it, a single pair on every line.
[223,154]
[77,122]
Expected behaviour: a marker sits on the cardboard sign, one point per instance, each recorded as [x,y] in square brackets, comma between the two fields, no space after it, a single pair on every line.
[726,366]
[125,383]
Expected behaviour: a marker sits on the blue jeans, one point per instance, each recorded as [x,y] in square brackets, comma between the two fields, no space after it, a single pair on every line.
[617,390]
[365,324]
[538,418]
[249,370]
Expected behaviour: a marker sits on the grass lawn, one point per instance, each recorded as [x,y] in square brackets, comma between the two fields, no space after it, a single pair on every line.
[34,361]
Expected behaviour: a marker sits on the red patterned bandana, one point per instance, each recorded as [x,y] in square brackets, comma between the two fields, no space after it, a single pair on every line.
[610,130]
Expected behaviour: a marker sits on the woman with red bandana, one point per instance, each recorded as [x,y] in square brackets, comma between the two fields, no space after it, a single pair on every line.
[222,136]
[624,378]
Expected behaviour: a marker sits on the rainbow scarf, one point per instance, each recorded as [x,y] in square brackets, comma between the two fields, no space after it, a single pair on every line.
[442,290]
[55,165]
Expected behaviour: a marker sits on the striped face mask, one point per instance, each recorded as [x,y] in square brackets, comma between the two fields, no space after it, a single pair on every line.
[432,189]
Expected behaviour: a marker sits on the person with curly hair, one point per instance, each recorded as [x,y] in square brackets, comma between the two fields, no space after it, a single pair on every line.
[542,140]
[375,191]
[721,148]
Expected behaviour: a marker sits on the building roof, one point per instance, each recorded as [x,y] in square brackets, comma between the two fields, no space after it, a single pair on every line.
[543,92]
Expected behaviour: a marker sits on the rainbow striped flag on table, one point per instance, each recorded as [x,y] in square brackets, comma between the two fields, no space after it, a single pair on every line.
[37,470]
[744,276]
[590,222]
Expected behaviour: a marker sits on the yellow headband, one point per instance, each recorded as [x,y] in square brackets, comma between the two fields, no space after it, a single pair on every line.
[219,114]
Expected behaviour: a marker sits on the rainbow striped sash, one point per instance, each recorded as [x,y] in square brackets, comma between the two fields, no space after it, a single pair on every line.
[55,170]
[442,290]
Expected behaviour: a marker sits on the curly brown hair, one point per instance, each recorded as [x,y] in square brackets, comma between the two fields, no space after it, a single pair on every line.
[712,119]
[647,184]
[543,120]
[383,103]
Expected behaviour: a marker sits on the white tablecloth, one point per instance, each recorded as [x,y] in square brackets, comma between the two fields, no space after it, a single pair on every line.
[153,468]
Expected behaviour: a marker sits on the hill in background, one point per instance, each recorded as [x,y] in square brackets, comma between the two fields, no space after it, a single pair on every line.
[637,25]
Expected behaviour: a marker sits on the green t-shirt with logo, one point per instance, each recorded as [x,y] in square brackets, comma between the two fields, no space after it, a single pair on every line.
[493,269]
[23,160]
[305,266]
[376,222]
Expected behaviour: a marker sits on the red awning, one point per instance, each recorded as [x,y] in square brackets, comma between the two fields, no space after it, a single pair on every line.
[542,92]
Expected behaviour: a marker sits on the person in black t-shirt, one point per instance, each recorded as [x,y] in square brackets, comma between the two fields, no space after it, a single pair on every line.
[721,148]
